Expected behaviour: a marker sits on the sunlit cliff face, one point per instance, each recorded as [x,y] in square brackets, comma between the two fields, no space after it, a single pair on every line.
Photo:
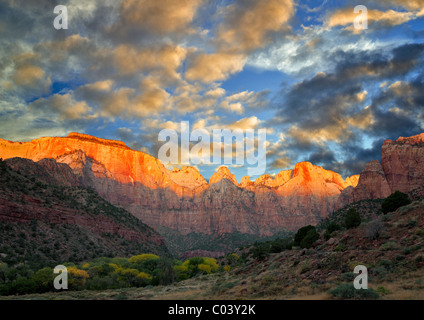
[127,166]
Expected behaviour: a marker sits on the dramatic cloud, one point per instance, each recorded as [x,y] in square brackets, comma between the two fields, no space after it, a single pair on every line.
[248,24]
[407,4]
[346,17]
[337,107]
[126,69]
[155,18]
[214,67]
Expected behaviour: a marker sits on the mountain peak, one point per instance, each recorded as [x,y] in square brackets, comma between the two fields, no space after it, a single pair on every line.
[413,140]
[223,173]
[188,177]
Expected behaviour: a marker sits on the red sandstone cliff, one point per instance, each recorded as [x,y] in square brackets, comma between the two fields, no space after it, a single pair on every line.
[30,193]
[403,163]
[401,170]
[181,199]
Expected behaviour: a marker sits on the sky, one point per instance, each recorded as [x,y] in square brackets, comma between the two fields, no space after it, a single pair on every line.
[325,91]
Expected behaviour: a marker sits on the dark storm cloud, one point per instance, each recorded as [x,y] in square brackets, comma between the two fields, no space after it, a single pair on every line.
[392,125]
[357,158]
[322,157]
[331,107]
[318,101]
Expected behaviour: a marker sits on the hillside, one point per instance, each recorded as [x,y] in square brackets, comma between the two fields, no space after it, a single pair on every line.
[391,246]
[47,218]
[394,257]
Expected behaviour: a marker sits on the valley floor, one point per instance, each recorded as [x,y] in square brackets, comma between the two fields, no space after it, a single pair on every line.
[394,260]
[225,286]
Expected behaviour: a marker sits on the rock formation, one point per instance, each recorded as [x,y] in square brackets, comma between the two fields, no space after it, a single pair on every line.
[45,191]
[403,163]
[182,199]
[401,170]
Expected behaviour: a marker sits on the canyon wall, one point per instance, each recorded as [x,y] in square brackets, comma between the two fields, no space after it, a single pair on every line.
[182,199]
[401,169]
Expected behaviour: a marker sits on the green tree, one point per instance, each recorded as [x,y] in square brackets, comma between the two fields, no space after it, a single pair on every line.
[43,280]
[352,219]
[395,201]
[166,274]
[309,238]
[279,245]
[332,227]
[260,251]
[301,233]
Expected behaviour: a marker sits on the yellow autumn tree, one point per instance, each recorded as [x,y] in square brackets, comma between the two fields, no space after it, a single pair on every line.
[181,271]
[144,276]
[77,277]
[86,265]
[212,263]
[205,268]
[143,257]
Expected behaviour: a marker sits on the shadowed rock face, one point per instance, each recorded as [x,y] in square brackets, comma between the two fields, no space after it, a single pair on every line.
[20,205]
[403,163]
[402,169]
[182,199]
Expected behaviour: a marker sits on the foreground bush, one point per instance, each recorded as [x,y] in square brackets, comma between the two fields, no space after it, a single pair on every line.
[332,227]
[352,219]
[301,233]
[394,202]
[309,239]
[348,291]
[305,237]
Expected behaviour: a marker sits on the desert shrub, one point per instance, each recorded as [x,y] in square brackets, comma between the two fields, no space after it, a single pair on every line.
[399,257]
[348,276]
[232,258]
[341,247]
[348,291]
[407,250]
[382,291]
[352,219]
[389,245]
[386,264]
[411,224]
[395,201]
[305,267]
[374,229]
[332,227]
[260,251]
[301,233]
[279,245]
